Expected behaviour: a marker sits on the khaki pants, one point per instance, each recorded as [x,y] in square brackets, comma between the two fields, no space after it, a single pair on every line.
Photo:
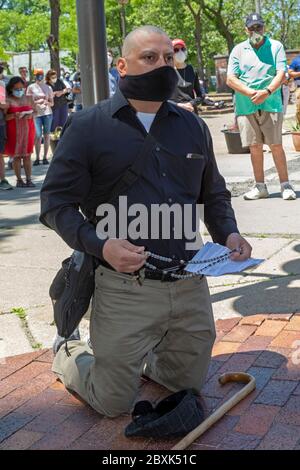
[298,105]
[162,330]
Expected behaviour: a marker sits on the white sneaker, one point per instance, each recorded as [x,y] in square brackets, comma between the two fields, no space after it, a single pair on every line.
[287,192]
[259,191]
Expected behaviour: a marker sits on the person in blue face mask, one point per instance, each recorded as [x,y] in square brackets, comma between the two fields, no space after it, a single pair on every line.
[4,184]
[20,130]
[44,100]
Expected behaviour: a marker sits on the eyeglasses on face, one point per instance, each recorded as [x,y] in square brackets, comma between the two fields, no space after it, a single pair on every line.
[256,28]
[178,49]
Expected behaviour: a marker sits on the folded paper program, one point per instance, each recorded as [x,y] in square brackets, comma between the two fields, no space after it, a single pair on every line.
[220,266]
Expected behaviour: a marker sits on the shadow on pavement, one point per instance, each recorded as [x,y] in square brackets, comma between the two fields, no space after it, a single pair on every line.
[275,295]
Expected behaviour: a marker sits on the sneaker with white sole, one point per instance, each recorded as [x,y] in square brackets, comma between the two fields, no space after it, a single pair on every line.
[4,185]
[60,340]
[259,191]
[288,193]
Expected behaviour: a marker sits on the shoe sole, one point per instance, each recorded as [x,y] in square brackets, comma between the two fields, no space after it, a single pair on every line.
[256,198]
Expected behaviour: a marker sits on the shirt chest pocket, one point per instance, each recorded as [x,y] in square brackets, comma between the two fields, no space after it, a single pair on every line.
[190,170]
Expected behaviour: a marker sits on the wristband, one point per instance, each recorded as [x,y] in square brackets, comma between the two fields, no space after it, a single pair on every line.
[268,90]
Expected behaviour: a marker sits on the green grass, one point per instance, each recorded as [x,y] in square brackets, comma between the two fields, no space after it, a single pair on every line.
[20,312]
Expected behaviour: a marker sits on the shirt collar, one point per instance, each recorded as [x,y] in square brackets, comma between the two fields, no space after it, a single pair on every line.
[118,101]
[266,41]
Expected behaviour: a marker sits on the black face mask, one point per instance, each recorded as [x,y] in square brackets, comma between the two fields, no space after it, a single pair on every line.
[157,85]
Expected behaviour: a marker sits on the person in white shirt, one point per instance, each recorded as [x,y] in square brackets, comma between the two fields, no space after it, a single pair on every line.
[43,98]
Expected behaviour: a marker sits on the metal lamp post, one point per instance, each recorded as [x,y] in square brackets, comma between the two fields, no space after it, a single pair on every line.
[92,51]
[122,4]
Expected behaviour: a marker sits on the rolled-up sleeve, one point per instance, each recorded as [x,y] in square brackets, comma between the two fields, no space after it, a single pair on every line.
[65,189]
[219,216]
[234,62]
[281,64]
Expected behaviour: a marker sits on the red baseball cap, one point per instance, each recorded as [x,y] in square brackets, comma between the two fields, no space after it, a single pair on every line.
[178,42]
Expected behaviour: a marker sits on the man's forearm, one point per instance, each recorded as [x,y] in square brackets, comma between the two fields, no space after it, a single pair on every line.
[71,226]
[277,81]
[294,74]
[220,220]
[236,84]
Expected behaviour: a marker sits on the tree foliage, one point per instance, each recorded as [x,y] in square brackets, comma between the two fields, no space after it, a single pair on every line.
[209,27]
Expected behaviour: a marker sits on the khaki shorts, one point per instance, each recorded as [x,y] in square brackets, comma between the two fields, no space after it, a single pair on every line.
[261,128]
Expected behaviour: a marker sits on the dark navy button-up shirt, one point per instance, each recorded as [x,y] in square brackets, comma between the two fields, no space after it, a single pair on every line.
[98,145]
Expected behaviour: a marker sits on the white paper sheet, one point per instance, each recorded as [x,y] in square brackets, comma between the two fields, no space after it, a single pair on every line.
[227,266]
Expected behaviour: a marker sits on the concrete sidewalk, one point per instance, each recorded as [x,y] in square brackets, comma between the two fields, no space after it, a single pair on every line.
[30,255]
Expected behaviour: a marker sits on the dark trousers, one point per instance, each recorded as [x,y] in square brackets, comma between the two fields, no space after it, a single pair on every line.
[60,116]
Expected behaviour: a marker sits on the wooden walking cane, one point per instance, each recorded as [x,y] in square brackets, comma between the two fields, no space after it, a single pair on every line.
[240,377]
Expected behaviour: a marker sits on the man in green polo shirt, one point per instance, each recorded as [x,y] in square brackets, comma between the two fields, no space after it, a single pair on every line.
[256,70]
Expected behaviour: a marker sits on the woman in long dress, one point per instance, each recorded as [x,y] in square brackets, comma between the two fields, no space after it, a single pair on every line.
[20,130]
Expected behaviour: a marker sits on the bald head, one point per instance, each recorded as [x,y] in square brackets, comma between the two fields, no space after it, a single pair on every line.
[132,39]
[145,49]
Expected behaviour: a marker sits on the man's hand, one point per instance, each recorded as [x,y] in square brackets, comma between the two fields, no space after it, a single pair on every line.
[123,256]
[260,96]
[187,106]
[4,106]
[251,93]
[236,242]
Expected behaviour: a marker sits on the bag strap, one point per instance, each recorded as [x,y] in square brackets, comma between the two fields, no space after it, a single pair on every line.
[133,173]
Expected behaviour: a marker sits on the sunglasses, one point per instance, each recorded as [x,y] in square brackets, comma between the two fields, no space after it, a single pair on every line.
[178,49]
[255,28]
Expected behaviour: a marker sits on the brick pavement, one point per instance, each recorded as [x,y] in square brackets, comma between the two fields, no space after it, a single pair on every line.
[37,413]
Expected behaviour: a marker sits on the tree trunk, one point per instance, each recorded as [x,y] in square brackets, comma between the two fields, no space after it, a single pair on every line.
[53,39]
[229,39]
[215,16]
[223,29]
[30,63]
[198,38]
